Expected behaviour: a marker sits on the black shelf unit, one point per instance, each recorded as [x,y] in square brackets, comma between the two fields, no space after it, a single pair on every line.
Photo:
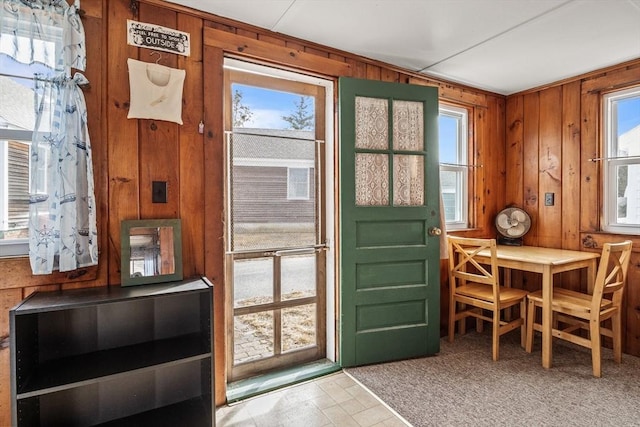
[114,356]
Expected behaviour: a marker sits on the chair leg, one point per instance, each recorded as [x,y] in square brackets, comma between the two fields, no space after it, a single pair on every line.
[523,326]
[496,334]
[462,325]
[452,318]
[616,331]
[594,331]
[531,317]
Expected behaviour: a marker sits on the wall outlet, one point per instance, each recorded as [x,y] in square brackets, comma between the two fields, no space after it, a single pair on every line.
[548,199]
[159,192]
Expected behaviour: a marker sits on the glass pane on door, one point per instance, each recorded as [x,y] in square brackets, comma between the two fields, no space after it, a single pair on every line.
[274,227]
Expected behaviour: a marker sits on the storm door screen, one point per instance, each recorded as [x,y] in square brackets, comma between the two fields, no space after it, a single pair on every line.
[275,260]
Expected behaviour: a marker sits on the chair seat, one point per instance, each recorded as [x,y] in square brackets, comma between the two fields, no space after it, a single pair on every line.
[578,317]
[485,292]
[474,286]
[566,298]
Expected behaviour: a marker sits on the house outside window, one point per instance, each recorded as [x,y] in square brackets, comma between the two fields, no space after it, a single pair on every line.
[621,161]
[16,128]
[17,118]
[454,178]
[298,183]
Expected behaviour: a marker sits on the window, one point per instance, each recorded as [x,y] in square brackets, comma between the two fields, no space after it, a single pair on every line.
[298,184]
[452,127]
[16,127]
[621,161]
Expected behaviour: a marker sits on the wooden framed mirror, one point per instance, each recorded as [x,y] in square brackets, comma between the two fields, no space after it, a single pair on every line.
[151,251]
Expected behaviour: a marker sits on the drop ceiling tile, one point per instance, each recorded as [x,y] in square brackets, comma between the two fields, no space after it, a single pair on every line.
[408,33]
[261,13]
[579,37]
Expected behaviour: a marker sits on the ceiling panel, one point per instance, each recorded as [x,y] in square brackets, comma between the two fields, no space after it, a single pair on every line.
[556,46]
[408,33]
[504,46]
[261,13]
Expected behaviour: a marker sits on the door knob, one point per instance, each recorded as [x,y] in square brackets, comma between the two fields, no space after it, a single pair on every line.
[435,231]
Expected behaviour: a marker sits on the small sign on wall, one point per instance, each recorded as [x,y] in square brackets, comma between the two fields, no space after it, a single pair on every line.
[156,37]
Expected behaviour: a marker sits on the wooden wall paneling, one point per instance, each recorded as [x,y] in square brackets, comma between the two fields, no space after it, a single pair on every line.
[571,177]
[48,288]
[631,316]
[514,188]
[315,51]
[295,45]
[373,72]
[262,50]
[481,175]
[631,299]
[571,165]
[273,40]
[122,133]
[96,39]
[214,178]
[620,76]
[358,69]
[530,175]
[247,33]
[191,146]
[452,93]
[158,139]
[550,179]
[387,75]
[16,272]
[530,142]
[497,153]
[8,299]
[589,171]
[337,57]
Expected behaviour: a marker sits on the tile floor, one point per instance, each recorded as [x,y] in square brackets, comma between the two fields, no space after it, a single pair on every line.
[332,400]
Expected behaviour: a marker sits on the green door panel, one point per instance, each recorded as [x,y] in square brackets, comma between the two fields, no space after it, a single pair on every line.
[390,271]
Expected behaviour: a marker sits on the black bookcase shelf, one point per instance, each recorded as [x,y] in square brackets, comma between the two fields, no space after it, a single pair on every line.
[114,356]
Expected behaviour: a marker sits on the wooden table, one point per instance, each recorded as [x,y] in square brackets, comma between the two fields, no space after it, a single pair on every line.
[546,261]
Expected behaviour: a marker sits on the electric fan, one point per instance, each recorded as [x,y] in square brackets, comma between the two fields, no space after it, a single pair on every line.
[512,224]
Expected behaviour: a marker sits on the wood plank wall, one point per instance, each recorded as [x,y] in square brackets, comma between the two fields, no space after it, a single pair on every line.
[551,133]
[129,154]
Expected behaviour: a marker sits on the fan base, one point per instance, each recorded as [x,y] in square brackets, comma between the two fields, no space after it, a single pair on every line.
[509,241]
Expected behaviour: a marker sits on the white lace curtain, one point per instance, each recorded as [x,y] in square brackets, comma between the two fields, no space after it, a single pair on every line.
[62,211]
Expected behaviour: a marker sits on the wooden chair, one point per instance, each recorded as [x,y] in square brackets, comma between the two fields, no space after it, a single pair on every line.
[580,311]
[477,285]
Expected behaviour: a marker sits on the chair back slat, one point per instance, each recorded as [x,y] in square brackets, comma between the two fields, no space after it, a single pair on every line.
[464,266]
[612,272]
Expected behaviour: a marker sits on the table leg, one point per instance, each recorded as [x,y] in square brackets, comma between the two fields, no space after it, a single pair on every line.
[506,282]
[591,276]
[547,315]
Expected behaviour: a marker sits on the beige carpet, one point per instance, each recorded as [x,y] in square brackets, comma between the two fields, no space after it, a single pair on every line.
[462,386]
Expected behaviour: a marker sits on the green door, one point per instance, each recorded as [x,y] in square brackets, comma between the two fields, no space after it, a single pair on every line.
[389,185]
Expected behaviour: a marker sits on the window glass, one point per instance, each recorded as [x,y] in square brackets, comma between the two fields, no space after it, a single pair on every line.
[621,163]
[453,141]
[16,127]
[298,187]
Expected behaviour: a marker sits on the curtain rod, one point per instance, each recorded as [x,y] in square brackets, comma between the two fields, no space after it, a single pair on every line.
[456,164]
[598,159]
[47,79]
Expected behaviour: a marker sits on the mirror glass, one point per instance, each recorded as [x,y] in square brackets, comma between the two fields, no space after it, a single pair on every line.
[151,251]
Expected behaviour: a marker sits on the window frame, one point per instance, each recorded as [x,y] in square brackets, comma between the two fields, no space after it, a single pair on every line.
[11,247]
[611,161]
[460,167]
[49,41]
